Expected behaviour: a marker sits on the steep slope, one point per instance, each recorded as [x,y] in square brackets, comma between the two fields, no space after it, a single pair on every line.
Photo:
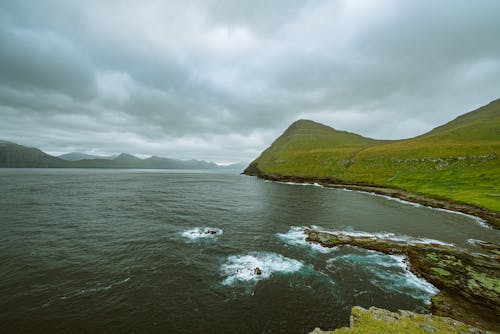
[458,161]
[306,148]
[482,124]
[18,156]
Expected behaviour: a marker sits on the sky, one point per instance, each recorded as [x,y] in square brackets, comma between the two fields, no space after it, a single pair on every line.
[220,80]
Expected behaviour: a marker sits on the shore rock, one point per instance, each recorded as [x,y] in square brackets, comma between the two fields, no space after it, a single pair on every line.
[469,282]
[379,321]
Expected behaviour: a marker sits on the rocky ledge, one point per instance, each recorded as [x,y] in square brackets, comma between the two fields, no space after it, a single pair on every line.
[469,283]
[376,320]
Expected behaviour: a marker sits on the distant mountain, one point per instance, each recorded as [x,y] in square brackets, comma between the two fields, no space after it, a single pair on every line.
[236,166]
[75,156]
[16,156]
[458,161]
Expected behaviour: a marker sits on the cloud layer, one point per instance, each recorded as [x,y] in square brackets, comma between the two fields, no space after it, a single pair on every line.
[219,80]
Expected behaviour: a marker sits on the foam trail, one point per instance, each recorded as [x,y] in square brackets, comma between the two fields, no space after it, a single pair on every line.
[98,288]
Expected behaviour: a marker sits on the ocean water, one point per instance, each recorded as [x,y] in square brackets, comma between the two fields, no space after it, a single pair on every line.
[150,251]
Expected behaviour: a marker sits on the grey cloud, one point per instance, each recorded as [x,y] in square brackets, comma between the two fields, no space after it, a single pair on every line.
[221,79]
[43,61]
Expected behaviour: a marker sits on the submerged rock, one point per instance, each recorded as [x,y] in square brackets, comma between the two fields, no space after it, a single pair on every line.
[379,321]
[469,282]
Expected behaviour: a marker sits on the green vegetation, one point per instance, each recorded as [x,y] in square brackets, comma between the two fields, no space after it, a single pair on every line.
[469,283]
[17,156]
[379,321]
[458,161]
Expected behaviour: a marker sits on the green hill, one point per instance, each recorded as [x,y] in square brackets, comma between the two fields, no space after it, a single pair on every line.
[458,161]
[17,156]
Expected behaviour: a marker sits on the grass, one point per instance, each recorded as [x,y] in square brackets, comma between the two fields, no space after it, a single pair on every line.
[374,323]
[458,161]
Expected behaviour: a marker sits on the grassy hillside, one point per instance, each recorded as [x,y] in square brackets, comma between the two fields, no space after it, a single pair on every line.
[458,161]
[18,156]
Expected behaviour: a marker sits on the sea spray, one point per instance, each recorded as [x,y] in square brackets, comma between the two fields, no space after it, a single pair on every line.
[296,236]
[389,236]
[388,272]
[201,233]
[256,266]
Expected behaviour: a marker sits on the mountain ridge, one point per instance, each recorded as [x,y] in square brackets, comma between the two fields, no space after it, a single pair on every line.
[18,156]
[457,161]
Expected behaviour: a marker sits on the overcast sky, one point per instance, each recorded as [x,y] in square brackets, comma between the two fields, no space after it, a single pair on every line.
[220,80]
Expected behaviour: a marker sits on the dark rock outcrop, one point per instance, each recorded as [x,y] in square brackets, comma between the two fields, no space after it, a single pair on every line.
[469,282]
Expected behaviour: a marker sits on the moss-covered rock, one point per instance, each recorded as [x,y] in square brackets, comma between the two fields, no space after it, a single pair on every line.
[469,282]
[376,320]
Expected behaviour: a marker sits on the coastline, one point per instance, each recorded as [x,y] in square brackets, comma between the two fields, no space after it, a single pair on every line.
[490,218]
[467,281]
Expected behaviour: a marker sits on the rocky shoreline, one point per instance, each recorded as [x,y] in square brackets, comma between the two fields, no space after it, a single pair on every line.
[469,283]
[491,217]
[379,321]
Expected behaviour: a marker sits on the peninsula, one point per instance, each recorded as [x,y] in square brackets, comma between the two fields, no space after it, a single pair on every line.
[455,166]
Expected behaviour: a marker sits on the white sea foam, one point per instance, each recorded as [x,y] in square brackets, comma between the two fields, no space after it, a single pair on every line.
[243,268]
[475,241]
[388,272]
[314,184]
[201,233]
[296,236]
[389,236]
[384,196]
[477,219]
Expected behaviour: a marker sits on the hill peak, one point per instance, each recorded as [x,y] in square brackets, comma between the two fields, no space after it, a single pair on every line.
[307,124]
[304,128]
[126,156]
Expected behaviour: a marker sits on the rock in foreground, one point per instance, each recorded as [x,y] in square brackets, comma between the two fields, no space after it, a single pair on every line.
[376,320]
[469,282]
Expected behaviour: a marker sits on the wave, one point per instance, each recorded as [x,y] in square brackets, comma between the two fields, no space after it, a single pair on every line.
[256,266]
[296,236]
[389,236]
[202,233]
[388,272]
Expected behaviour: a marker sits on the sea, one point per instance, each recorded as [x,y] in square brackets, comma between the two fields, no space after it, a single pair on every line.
[164,251]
